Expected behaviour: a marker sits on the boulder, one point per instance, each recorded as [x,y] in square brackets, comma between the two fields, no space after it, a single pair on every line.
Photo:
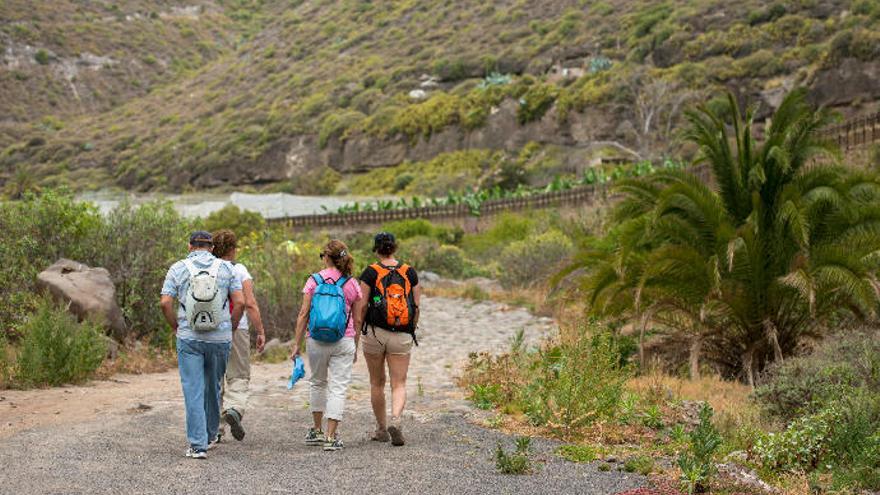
[88,292]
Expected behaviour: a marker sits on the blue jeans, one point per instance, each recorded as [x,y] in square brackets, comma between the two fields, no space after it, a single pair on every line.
[202,366]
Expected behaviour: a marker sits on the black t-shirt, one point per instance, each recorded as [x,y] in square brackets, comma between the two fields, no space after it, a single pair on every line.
[369,276]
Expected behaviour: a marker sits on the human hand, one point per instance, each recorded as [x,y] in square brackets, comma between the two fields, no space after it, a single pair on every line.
[261,341]
[294,352]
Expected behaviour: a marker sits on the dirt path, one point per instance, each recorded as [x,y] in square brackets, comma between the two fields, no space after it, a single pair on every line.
[127,433]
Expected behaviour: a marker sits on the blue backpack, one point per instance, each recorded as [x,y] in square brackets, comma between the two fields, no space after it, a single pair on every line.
[327,318]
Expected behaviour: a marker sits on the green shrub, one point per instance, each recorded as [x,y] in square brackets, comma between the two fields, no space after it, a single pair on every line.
[641,464]
[577,453]
[696,463]
[407,229]
[427,254]
[516,462]
[530,261]
[242,222]
[138,245]
[485,396]
[335,125]
[536,101]
[507,228]
[37,231]
[574,385]
[42,57]
[56,349]
[806,384]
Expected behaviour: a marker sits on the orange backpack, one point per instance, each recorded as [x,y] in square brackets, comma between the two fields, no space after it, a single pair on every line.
[392,305]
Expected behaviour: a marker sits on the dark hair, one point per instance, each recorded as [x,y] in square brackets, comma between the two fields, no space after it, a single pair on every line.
[338,253]
[384,244]
[224,242]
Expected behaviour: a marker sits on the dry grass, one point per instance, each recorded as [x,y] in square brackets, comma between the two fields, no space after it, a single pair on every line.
[724,396]
[138,360]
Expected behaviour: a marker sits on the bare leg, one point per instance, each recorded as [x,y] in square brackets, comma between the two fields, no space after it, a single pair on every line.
[398,365]
[331,427]
[376,367]
[318,418]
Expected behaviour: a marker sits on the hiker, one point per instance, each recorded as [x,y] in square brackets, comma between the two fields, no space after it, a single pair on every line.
[331,310]
[234,393]
[390,321]
[204,286]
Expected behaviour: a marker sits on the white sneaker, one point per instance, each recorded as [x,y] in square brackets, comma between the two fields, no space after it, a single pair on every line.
[214,443]
[196,454]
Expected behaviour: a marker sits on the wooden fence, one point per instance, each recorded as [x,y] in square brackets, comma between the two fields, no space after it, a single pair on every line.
[852,136]
[855,134]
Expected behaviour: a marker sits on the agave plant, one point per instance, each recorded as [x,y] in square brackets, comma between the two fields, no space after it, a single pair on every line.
[782,242]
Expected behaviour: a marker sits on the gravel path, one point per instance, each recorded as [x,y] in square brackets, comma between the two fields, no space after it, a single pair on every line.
[134,443]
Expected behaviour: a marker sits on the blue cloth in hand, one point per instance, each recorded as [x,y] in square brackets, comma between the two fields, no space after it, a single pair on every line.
[299,371]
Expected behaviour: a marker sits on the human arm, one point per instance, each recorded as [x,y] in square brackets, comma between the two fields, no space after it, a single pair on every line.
[237,297]
[253,313]
[417,297]
[357,311]
[167,304]
[302,321]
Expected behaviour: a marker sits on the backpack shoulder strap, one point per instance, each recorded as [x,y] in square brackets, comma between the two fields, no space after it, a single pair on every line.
[342,281]
[215,267]
[190,267]
[318,278]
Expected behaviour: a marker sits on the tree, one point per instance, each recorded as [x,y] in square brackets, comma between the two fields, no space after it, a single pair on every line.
[746,267]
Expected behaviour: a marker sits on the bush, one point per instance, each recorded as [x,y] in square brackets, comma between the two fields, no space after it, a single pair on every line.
[806,384]
[407,229]
[57,349]
[577,453]
[37,231]
[573,385]
[528,262]
[427,254]
[508,228]
[242,222]
[335,125]
[42,57]
[139,244]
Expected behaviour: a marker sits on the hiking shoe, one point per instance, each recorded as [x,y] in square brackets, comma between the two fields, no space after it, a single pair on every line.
[380,436]
[315,437]
[214,443]
[396,433]
[332,444]
[233,419]
[196,453]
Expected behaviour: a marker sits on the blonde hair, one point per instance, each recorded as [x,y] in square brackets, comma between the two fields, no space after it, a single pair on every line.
[338,253]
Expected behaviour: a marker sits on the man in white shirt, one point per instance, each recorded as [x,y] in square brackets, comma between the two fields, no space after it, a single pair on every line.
[238,370]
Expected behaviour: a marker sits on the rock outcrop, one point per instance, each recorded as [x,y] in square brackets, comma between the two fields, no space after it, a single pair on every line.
[88,292]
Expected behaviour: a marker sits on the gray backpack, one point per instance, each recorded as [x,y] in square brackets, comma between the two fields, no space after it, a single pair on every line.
[204,304]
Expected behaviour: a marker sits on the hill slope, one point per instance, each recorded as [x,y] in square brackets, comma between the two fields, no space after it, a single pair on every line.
[330,84]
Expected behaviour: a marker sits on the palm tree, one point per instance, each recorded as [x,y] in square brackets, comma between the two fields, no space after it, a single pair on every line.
[750,265]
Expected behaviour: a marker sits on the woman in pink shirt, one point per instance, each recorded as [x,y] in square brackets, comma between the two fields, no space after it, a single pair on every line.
[330,362]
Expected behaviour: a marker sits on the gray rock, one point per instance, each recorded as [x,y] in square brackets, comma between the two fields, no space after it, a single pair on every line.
[88,292]
[428,277]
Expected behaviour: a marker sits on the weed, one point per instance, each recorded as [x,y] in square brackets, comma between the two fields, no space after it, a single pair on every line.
[516,462]
[642,464]
[652,417]
[696,463]
[485,396]
[577,453]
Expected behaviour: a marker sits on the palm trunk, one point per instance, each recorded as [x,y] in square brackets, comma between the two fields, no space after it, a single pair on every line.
[696,348]
[748,359]
[642,330]
[773,338]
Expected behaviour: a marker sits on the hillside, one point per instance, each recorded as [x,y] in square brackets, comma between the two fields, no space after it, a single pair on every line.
[206,94]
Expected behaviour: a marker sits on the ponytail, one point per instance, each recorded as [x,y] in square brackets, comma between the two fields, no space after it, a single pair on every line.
[338,253]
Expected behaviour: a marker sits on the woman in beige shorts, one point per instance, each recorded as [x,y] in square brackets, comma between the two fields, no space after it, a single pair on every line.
[384,345]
